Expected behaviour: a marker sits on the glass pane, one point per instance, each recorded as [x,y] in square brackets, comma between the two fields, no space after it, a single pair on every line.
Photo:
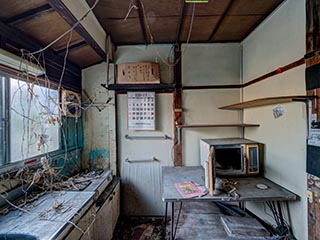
[33,122]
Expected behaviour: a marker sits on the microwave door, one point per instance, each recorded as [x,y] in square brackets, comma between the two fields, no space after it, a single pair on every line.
[252,155]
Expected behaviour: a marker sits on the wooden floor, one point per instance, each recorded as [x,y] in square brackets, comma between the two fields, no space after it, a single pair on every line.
[198,221]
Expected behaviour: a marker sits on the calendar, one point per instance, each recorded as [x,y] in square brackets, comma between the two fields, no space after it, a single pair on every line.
[141,110]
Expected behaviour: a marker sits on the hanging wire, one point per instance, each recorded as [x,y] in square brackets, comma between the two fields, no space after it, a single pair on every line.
[152,38]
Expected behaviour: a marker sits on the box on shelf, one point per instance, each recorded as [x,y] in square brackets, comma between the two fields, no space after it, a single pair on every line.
[138,73]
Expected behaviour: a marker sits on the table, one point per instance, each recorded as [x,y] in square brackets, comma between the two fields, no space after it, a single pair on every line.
[246,188]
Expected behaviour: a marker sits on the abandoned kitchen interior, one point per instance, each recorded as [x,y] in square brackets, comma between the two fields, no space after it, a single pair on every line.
[149,120]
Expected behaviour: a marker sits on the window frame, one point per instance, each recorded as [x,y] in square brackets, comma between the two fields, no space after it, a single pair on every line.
[5,117]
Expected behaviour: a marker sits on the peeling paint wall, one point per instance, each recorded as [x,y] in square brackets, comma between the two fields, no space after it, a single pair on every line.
[99,121]
[280,40]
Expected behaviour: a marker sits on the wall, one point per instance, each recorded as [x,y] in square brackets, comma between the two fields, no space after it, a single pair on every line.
[141,182]
[99,122]
[208,64]
[278,41]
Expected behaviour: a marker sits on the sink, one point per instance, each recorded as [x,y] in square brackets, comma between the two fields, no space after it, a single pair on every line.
[16,236]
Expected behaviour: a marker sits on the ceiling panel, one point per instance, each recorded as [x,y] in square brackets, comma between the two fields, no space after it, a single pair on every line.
[128,31]
[162,7]
[84,56]
[213,7]
[10,8]
[235,28]
[47,28]
[201,29]
[164,29]
[116,9]
[253,7]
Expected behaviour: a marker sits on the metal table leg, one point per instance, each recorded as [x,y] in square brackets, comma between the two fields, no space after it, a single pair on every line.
[172,221]
[166,214]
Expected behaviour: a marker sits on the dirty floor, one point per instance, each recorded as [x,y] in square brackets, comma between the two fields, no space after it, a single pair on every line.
[197,221]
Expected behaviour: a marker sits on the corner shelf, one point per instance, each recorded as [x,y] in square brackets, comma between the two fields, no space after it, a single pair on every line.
[267,101]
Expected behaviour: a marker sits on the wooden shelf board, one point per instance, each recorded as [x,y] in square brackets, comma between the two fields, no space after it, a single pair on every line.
[219,125]
[122,88]
[267,101]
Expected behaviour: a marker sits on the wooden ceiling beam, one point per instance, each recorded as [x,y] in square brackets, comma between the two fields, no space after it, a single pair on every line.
[142,22]
[217,26]
[22,41]
[181,21]
[71,20]
[30,14]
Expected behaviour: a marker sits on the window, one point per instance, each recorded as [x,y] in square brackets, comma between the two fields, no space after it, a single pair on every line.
[29,116]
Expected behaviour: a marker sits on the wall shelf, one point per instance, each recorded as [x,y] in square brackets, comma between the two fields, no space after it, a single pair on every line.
[123,88]
[241,125]
[219,125]
[267,101]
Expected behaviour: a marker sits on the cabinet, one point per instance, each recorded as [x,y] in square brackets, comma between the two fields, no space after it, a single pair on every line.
[108,211]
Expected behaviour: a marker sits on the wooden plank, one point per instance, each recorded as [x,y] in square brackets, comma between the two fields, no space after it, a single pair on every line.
[84,56]
[29,14]
[177,110]
[142,20]
[16,7]
[285,68]
[34,28]
[219,125]
[69,18]
[267,101]
[122,88]
[312,25]
[54,63]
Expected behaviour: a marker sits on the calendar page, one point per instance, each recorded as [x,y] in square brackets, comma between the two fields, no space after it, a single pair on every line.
[141,111]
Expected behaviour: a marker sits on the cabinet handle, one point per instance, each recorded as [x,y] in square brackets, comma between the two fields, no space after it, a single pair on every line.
[110,199]
[114,193]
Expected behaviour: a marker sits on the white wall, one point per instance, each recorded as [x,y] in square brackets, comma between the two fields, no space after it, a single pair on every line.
[99,126]
[141,182]
[208,64]
[280,40]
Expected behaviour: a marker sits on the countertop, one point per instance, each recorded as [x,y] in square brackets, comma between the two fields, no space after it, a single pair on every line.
[42,220]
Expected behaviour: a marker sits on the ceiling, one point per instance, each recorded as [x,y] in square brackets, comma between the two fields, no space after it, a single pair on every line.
[166,21]
[215,21]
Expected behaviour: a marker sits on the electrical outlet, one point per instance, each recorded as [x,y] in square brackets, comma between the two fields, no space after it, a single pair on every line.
[310,196]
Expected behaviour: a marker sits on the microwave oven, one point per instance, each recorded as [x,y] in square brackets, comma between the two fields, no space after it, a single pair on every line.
[230,157]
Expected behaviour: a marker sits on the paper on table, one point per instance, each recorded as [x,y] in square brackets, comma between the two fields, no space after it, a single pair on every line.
[188,189]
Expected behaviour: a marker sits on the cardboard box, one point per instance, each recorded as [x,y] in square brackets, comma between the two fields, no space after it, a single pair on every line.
[138,73]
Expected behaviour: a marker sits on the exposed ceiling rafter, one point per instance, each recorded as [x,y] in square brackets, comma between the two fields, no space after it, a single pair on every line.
[71,19]
[11,37]
[181,21]
[30,14]
[217,26]
[142,22]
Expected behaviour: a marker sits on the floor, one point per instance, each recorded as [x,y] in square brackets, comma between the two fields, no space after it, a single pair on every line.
[197,221]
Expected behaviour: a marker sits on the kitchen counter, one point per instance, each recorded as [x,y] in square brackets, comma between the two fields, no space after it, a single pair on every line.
[55,213]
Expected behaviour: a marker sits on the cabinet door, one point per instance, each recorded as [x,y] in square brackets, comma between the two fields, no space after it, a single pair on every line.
[115,205]
[103,225]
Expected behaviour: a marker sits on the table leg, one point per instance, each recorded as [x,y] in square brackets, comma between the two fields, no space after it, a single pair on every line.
[172,221]
[280,213]
[166,214]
